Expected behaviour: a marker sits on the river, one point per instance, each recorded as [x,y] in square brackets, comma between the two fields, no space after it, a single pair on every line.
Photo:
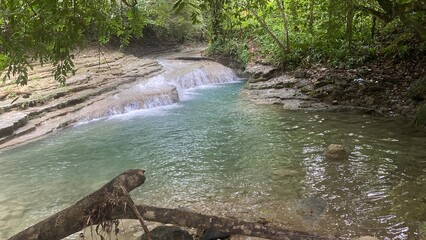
[217,153]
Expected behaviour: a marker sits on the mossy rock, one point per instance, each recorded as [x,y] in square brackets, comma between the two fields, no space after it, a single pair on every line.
[421,116]
[418,89]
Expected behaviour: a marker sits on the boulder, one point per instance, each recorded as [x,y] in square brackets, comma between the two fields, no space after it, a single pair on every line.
[260,71]
[168,233]
[336,152]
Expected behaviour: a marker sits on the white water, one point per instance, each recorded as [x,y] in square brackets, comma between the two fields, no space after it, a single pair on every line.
[171,86]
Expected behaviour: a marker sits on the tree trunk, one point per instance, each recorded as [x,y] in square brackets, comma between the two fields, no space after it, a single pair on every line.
[349,21]
[295,15]
[311,16]
[373,26]
[281,7]
[233,226]
[266,28]
[107,204]
[92,209]
[215,19]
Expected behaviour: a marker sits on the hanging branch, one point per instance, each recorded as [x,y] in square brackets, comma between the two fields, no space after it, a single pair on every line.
[132,205]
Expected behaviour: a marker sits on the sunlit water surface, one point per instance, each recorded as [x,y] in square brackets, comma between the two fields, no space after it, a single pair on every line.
[219,154]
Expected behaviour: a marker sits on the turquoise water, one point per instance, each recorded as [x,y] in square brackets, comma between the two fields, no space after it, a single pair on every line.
[218,153]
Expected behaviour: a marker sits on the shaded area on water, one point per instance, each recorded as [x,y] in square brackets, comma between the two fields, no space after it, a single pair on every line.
[219,154]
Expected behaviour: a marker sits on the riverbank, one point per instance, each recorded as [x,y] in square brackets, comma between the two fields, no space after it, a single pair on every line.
[43,106]
[384,88]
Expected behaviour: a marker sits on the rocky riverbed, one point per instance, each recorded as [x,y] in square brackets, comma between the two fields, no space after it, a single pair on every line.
[43,106]
[368,90]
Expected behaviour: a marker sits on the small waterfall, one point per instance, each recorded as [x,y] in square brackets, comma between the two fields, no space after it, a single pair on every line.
[164,89]
[186,75]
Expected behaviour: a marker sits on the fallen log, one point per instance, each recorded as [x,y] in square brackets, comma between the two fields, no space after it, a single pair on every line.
[233,226]
[110,203]
[91,210]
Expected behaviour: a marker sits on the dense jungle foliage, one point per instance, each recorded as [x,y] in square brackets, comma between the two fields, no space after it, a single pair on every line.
[281,32]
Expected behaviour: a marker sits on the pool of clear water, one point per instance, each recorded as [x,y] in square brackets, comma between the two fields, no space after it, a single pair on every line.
[218,153]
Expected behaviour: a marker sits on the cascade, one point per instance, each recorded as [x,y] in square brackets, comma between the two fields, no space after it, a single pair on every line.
[167,88]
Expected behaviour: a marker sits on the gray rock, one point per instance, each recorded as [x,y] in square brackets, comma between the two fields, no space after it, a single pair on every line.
[11,121]
[301,83]
[329,88]
[322,83]
[336,152]
[168,233]
[301,74]
[320,95]
[260,70]
[254,79]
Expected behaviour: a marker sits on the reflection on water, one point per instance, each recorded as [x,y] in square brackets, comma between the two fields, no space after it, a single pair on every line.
[219,154]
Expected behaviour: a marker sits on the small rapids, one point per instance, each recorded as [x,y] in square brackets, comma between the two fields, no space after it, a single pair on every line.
[167,88]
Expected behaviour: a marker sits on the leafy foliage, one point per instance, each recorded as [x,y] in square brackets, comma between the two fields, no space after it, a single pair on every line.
[49,30]
[293,32]
[284,32]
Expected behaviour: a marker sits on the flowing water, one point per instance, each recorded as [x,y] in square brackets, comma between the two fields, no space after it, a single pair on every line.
[217,153]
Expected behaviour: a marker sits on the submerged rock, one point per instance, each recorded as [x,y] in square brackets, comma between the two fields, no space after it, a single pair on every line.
[311,208]
[336,152]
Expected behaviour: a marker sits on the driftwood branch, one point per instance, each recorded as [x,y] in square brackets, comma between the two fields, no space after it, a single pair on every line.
[233,226]
[92,209]
[135,210]
[110,201]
